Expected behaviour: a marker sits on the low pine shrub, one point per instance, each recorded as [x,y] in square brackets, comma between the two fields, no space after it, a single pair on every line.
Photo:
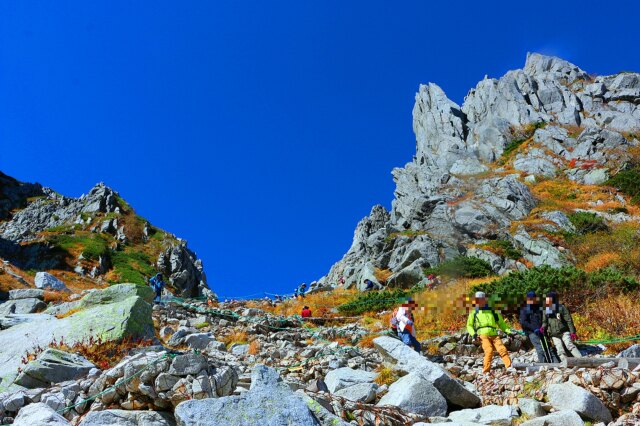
[375,301]
[628,182]
[588,223]
[575,285]
[462,267]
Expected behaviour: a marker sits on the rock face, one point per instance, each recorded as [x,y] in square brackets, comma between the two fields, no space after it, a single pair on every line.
[559,418]
[184,271]
[567,396]
[269,402]
[454,194]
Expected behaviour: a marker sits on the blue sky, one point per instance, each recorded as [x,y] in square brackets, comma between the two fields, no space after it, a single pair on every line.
[260,131]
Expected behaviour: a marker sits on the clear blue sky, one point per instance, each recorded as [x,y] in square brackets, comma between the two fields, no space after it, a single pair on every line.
[260,131]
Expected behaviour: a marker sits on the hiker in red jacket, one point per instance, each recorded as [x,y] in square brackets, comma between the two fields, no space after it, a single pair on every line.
[306,312]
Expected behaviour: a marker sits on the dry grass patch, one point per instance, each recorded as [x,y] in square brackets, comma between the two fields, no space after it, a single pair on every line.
[254,348]
[610,317]
[386,375]
[235,337]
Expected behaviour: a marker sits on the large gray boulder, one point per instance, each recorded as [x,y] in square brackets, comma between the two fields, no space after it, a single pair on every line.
[414,394]
[21,306]
[567,396]
[531,408]
[45,280]
[269,402]
[344,377]
[558,418]
[495,415]
[26,293]
[361,392]
[128,418]
[53,366]
[39,414]
[117,312]
[409,361]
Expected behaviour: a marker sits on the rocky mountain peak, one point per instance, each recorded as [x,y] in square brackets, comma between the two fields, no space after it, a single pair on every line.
[475,165]
[96,237]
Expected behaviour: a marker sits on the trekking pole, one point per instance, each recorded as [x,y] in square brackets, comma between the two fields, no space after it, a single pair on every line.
[545,348]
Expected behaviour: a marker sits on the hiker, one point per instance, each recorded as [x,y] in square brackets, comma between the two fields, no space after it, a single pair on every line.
[306,312]
[302,289]
[157,285]
[369,285]
[402,319]
[484,322]
[557,322]
[531,322]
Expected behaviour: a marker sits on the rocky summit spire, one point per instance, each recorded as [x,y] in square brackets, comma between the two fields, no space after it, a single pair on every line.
[472,174]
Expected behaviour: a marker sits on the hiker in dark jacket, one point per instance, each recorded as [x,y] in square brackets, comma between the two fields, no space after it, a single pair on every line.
[557,322]
[157,285]
[531,322]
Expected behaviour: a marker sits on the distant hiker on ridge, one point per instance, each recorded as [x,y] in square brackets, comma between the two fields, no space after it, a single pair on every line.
[306,312]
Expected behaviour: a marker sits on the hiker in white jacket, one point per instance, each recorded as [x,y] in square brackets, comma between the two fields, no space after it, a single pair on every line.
[406,328]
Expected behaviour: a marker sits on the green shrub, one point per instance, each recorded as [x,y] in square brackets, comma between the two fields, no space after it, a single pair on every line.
[373,301]
[587,223]
[92,246]
[628,182]
[201,325]
[132,266]
[574,284]
[462,267]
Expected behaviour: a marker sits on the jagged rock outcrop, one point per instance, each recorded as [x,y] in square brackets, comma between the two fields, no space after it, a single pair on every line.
[31,217]
[184,270]
[456,193]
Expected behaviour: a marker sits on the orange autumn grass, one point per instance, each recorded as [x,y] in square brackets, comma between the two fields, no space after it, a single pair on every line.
[613,317]
[320,304]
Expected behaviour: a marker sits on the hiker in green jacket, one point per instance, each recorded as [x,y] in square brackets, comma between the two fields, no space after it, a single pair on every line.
[484,322]
[557,322]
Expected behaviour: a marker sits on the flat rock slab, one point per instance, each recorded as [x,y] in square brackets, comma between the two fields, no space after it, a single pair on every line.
[362,392]
[567,396]
[128,418]
[26,293]
[408,360]
[345,377]
[21,306]
[53,366]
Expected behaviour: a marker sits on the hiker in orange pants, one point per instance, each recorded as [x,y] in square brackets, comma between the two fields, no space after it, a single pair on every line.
[484,323]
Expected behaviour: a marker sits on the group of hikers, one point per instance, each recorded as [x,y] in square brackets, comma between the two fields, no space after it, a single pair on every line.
[539,322]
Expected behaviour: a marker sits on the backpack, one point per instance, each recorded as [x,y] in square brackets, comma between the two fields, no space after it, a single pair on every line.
[475,318]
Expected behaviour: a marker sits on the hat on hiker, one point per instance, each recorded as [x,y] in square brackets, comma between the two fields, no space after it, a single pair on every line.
[480,295]
[531,295]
